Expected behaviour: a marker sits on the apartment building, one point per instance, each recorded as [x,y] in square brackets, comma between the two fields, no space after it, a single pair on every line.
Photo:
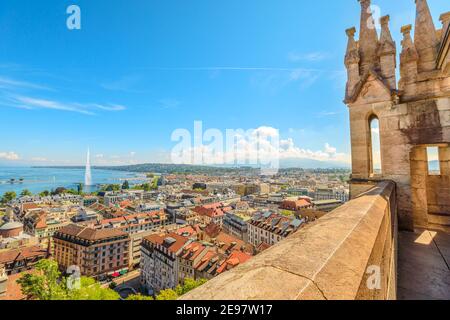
[271,227]
[189,258]
[212,213]
[138,226]
[236,225]
[98,253]
[159,262]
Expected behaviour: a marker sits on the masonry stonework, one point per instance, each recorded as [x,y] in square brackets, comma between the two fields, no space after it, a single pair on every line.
[413,114]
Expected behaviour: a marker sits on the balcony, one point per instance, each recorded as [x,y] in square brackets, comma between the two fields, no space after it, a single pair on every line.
[349,254]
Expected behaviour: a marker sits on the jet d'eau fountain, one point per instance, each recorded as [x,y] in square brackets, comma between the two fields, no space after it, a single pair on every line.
[87,174]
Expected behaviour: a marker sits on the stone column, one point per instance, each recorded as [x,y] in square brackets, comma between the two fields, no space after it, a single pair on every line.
[444,159]
[419,173]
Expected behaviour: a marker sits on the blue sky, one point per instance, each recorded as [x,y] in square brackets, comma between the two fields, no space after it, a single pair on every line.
[137,70]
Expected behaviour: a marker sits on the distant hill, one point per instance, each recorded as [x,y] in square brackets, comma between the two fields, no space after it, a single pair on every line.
[313,164]
[181,168]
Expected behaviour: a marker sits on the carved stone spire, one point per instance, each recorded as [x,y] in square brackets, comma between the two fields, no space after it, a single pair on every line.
[445,19]
[352,55]
[408,58]
[352,59]
[425,37]
[387,52]
[368,39]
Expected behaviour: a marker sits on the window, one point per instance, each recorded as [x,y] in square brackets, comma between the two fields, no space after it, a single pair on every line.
[433,161]
[375,146]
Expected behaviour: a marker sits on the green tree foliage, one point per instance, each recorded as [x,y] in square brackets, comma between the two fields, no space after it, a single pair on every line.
[112,187]
[136,297]
[80,188]
[59,190]
[8,196]
[91,290]
[26,193]
[155,183]
[47,283]
[44,193]
[189,284]
[126,185]
[167,294]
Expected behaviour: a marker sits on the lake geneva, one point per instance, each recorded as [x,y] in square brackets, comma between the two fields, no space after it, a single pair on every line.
[39,179]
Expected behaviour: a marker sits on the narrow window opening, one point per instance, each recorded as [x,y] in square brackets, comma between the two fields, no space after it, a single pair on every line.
[433,161]
[375,152]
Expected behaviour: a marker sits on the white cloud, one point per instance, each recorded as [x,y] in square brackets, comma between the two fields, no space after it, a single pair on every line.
[288,150]
[257,144]
[39,159]
[9,156]
[330,149]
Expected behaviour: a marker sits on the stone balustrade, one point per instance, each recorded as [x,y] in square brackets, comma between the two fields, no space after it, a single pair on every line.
[348,254]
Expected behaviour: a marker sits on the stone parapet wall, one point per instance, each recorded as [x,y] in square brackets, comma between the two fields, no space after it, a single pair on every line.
[334,258]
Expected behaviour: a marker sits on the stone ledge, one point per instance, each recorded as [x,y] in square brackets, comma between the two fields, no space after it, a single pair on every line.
[325,260]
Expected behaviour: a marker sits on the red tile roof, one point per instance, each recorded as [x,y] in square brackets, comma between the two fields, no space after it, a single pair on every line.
[90,233]
[158,239]
[235,258]
[21,254]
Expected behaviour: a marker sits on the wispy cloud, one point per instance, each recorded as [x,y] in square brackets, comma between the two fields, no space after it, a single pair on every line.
[307,57]
[273,81]
[329,113]
[126,84]
[27,96]
[8,83]
[31,103]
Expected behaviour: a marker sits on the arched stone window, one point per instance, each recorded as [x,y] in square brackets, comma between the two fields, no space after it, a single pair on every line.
[374,146]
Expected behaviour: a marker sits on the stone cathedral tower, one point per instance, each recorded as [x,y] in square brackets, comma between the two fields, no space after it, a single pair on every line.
[413,113]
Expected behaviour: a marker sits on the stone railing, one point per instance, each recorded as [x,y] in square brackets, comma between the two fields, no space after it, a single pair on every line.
[348,254]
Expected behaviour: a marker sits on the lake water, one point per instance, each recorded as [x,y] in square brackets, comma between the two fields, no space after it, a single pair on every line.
[39,179]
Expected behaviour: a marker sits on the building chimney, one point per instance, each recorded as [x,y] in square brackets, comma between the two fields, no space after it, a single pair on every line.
[368,39]
[425,37]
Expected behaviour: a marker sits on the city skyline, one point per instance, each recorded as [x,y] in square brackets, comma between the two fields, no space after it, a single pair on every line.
[79,90]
